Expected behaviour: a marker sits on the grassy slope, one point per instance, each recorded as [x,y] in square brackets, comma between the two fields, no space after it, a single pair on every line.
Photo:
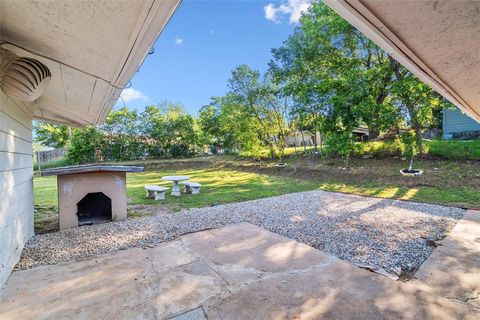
[452,149]
[446,182]
[454,183]
[456,197]
[451,182]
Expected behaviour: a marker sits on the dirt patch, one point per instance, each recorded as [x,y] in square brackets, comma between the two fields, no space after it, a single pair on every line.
[141,210]
[437,173]
[46,217]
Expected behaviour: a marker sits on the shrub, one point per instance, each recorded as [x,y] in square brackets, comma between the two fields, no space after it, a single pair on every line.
[83,146]
[466,150]
[342,144]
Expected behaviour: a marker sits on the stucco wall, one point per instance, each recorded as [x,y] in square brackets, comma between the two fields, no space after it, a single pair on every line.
[73,187]
[16,182]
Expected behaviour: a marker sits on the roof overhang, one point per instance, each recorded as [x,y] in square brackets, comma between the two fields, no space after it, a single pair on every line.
[92,48]
[439,41]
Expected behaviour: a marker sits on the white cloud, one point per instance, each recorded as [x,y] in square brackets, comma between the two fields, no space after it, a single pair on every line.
[131,94]
[291,8]
[178,41]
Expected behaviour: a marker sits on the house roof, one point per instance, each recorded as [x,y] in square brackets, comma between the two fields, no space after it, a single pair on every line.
[92,48]
[439,41]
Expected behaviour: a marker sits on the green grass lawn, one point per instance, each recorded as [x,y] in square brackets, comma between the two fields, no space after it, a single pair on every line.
[466,198]
[229,185]
[218,186]
[224,186]
[443,149]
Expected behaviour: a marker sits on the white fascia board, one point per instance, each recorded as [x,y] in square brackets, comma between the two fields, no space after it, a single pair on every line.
[150,29]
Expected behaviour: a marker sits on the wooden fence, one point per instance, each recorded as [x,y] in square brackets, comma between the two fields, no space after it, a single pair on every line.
[48,155]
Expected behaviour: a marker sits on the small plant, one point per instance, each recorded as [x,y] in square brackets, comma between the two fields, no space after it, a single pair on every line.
[342,144]
[407,144]
[135,214]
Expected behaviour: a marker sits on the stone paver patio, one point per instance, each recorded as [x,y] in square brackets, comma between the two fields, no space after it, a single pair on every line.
[235,272]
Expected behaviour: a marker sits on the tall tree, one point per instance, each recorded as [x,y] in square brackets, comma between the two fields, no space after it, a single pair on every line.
[260,98]
[417,102]
[51,135]
[341,79]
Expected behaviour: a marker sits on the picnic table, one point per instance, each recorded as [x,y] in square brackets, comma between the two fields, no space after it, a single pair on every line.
[175,179]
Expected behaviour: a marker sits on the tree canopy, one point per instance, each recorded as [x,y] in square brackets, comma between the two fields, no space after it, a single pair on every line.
[327,77]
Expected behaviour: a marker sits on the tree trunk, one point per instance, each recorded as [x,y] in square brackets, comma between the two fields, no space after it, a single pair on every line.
[321,144]
[303,142]
[418,135]
[372,134]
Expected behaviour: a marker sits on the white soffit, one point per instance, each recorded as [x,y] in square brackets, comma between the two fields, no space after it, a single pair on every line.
[92,48]
[439,41]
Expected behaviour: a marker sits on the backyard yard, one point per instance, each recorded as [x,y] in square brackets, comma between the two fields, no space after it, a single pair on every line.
[365,222]
[218,186]
[228,179]
[299,166]
[382,234]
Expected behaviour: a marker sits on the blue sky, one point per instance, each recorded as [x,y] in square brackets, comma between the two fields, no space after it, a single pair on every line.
[203,42]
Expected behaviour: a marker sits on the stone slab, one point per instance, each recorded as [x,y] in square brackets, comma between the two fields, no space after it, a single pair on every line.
[90,168]
[453,269]
[236,272]
[249,246]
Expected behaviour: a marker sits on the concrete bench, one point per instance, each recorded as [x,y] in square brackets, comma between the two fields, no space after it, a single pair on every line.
[191,187]
[155,192]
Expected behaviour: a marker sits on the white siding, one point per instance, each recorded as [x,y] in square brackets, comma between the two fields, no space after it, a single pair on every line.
[16,182]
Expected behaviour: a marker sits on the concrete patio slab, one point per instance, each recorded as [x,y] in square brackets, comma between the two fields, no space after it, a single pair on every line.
[236,272]
[453,269]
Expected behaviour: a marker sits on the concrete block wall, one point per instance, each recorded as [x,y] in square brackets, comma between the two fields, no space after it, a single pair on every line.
[16,182]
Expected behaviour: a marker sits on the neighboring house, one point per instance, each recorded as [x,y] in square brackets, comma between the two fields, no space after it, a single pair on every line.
[308,138]
[458,125]
[65,62]
[362,133]
[300,138]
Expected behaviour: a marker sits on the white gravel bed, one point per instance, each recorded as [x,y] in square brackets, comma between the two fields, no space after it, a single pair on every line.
[380,233]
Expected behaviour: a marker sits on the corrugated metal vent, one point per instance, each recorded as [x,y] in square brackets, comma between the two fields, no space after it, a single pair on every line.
[23,78]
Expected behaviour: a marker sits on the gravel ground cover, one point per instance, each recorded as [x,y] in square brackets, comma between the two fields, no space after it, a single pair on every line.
[380,233]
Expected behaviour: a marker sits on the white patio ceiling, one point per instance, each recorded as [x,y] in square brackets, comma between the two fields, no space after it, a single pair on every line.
[439,41]
[92,48]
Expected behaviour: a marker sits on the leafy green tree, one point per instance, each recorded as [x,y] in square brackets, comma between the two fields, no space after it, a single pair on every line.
[152,126]
[320,66]
[408,145]
[84,144]
[342,144]
[184,136]
[417,102]
[121,140]
[340,79]
[51,135]
[261,99]
[169,129]
[208,121]
[237,129]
